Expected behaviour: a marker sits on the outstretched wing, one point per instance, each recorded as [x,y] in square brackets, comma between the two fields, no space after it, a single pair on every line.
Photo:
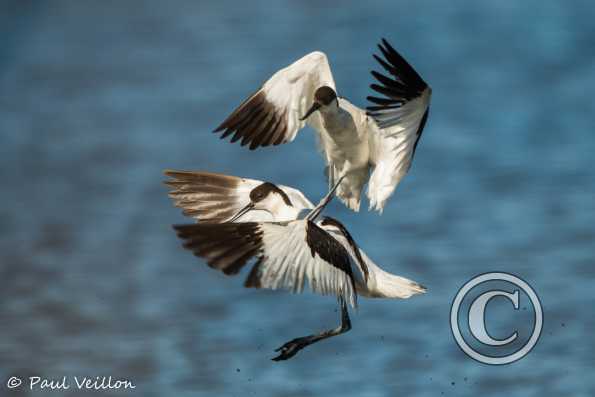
[288,255]
[215,198]
[271,115]
[400,117]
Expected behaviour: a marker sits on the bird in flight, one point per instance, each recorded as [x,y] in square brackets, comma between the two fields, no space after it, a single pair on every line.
[218,198]
[375,145]
[242,220]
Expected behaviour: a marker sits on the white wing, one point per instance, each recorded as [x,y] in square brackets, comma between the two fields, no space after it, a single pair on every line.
[215,198]
[301,251]
[400,119]
[289,255]
[271,115]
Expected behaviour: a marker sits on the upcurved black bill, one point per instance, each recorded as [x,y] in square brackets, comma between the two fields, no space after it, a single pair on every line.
[241,212]
[315,106]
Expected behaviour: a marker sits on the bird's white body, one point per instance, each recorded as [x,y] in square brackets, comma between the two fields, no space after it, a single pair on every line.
[345,140]
[197,190]
[374,145]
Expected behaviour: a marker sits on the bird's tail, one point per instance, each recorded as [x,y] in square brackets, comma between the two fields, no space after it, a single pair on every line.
[393,286]
[404,288]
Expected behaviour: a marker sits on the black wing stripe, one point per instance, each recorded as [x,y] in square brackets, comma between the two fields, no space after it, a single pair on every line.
[382,101]
[270,131]
[329,249]
[229,246]
[394,85]
[283,132]
[245,116]
[244,126]
[385,65]
[250,128]
[226,133]
[270,137]
[226,247]
[388,91]
[260,138]
[362,264]
[241,111]
[405,84]
[420,130]
[256,122]
[264,128]
[379,108]
[402,66]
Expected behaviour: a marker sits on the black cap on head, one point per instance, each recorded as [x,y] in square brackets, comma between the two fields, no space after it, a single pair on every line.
[325,95]
[260,192]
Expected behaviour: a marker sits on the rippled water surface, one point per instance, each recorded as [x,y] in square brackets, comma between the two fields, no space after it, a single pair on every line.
[97,98]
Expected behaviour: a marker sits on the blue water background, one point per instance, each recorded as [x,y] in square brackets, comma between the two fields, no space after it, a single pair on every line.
[97,98]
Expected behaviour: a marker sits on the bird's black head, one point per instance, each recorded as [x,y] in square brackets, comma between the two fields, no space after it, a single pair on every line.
[323,96]
[263,190]
[263,197]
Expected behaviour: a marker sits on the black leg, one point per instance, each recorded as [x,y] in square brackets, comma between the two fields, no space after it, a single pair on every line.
[291,348]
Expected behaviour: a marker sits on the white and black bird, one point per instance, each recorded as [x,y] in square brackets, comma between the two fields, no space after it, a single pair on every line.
[288,253]
[216,198]
[376,145]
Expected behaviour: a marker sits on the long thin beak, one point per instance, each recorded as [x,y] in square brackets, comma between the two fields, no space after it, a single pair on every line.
[325,200]
[241,212]
[315,106]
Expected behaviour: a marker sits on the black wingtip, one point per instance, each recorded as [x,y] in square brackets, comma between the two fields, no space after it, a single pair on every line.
[221,126]
[387,44]
[183,230]
[178,228]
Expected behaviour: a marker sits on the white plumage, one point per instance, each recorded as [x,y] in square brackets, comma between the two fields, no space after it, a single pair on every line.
[288,262]
[288,253]
[376,145]
[212,197]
